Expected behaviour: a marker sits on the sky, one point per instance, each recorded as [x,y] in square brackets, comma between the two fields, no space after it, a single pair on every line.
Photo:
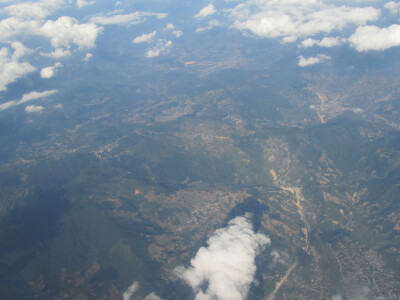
[37,36]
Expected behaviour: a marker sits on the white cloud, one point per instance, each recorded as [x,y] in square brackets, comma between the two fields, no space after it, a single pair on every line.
[305,62]
[14,27]
[130,291]
[162,47]
[87,57]
[127,19]
[357,110]
[368,38]
[169,27]
[58,53]
[291,19]
[83,3]
[308,43]
[113,12]
[133,288]
[329,42]
[36,95]
[26,98]
[205,11]
[11,69]
[326,42]
[33,10]
[211,24]
[145,38]
[227,264]
[177,33]
[66,31]
[152,296]
[33,108]
[393,7]
[62,32]
[49,72]
[279,258]
[19,50]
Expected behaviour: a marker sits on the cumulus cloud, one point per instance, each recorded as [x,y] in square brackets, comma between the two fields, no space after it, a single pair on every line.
[152,296]
[62,33]
[20,50]
[11,28]
[305,62]
[33,10]
[87,57]
[11,69]
[357,110]
[177,33]
[145,38]
[291,19]
[126,19]
[83,3]
[205,11]
[26,98]
[227,265]
[130,291]
[279,258]
[326,42]
[211,24]
[308,43]
[33,108]
[393,7]
[58,53]
[162,47]
[171,27]
[66,31]
[133,288]
[329,42]
[367,38]
[49,72]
